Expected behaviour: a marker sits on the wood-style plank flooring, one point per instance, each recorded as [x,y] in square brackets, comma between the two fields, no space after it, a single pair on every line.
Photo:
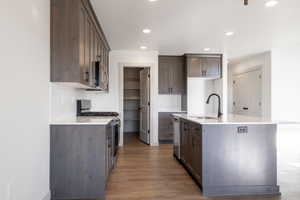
[151,173]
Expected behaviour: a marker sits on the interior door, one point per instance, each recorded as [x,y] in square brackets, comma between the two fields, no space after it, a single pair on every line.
[247,93]
[145,105]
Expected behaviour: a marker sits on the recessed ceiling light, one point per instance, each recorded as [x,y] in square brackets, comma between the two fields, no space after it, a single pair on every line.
[206,49]
[152,0]
[271,3]
[146,31]
[143,47]
[229,33]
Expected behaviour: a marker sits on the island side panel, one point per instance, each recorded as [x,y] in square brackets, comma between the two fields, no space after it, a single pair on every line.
[77,161]
[239,162]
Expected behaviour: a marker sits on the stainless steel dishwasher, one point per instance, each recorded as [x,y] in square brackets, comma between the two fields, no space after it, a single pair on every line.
[176,127]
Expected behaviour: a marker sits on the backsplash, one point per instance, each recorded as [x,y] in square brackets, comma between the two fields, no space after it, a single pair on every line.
[169,103]
[198,91]
[63,101]
[102,101]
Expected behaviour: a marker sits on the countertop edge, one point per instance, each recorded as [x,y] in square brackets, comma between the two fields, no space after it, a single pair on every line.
[246,122]
[102,121]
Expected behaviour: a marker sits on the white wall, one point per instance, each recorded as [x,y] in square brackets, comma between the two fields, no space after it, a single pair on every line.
[249,63]
[24,104]
[286,83]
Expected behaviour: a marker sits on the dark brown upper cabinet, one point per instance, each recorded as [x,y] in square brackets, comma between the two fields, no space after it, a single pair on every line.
[171,75]
[204,65]
[79,49]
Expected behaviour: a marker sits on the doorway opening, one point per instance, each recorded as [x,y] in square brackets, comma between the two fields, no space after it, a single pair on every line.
[136,104]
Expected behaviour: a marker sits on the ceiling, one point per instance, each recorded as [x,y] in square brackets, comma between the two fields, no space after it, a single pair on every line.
[189,26]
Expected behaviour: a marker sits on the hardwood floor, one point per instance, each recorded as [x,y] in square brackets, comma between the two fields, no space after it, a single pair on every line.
[151,173]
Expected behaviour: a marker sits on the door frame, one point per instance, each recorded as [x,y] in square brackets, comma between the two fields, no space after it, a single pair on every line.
[153,139]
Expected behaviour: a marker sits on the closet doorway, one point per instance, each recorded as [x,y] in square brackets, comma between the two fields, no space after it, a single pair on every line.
[137,103]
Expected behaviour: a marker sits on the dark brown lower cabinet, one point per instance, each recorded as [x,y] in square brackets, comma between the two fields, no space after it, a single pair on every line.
[184,141]
[191,148]
[165,127]
[196,152]
[81,160]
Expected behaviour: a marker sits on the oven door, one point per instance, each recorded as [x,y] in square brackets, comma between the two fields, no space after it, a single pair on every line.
[116,136]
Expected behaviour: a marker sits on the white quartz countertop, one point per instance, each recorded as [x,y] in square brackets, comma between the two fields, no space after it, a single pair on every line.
[84,121]
[226,119]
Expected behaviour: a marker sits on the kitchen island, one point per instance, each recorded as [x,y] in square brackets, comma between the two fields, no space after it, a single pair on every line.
[229,156]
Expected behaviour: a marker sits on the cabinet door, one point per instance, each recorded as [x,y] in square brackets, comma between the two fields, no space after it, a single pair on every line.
[177,75]
[84,46]
[101,58]
[189,150]
[164,70]
[165,127]
[82,24]
[194,67]
[93,55]
[97,59]
[106,67]
[209,66]
[109,158]
[88,50]
[171,74]
[184,148]
[197,155]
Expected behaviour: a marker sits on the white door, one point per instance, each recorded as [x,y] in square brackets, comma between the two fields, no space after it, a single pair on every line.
[247,93]
[145,105]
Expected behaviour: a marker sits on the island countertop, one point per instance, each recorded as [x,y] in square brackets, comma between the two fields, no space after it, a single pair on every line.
[226,119]
[84,121]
